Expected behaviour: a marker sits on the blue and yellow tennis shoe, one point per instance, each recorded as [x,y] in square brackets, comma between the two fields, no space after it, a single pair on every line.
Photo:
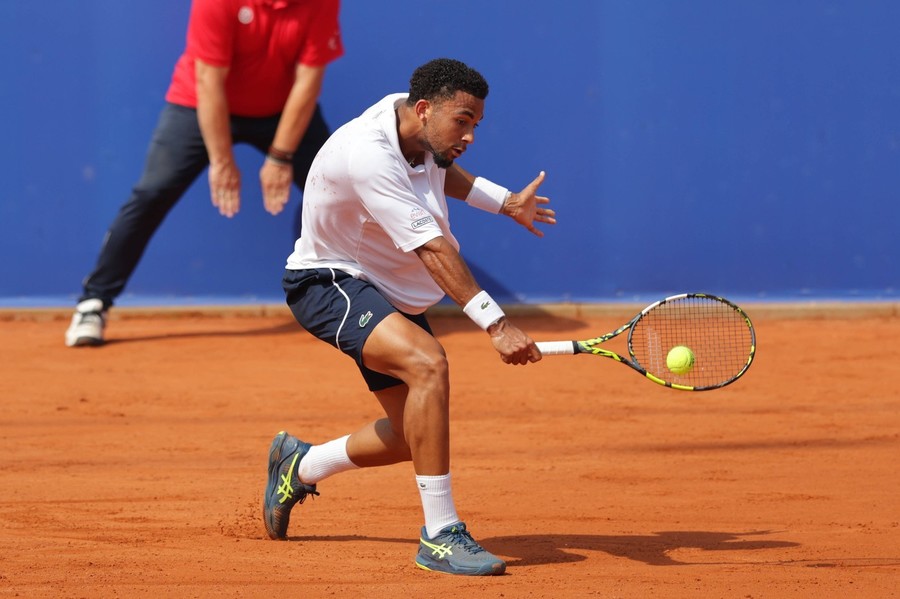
[284,488]
[454,551]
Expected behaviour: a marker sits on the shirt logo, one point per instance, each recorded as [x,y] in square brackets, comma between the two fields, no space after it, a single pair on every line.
[422,222]
[245,15]
[335,40]
[416,213]
[364,319]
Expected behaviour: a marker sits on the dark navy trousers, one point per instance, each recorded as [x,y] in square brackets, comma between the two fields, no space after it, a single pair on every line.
[175,158]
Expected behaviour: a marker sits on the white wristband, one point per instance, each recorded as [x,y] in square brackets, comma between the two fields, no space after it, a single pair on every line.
[483,310]
[487,195]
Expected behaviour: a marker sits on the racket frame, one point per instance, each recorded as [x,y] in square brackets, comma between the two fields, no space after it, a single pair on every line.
[591,346]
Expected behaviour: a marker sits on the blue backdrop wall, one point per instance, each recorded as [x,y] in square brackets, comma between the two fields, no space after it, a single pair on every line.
[745,148]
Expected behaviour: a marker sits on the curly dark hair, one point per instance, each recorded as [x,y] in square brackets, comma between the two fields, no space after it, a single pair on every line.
[441,78]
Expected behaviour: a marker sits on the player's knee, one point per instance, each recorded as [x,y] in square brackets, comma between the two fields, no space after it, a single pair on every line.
[428,367]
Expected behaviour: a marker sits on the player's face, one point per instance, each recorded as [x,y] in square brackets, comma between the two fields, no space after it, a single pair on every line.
[450,127]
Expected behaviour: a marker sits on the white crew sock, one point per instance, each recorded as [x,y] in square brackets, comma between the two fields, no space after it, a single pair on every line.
[322,461]
[437,503]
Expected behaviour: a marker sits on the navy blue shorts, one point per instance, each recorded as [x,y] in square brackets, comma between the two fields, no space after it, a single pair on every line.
[342,311]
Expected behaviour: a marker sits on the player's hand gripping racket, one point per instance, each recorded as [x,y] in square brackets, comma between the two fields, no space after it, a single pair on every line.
[692,342]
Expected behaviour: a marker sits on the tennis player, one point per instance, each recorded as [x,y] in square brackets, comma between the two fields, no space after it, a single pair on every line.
[376,251]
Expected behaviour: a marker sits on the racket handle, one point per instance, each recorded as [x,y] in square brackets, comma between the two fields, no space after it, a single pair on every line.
[556,348]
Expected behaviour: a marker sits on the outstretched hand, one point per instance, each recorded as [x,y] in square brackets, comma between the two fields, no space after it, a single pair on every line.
[526,207]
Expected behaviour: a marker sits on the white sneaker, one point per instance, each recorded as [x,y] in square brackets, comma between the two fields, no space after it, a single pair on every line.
[87,324]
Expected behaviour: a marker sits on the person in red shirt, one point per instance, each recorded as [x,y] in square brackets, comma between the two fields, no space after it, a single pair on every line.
[251,72]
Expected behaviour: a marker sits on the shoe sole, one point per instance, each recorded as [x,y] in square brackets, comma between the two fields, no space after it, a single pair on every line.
[276,452]
[84,342]
[486,570]
[274,461]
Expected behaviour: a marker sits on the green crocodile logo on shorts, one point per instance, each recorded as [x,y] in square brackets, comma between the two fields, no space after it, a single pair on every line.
[364,319]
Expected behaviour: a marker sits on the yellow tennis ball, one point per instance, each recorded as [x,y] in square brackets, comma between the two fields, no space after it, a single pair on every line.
[680,359]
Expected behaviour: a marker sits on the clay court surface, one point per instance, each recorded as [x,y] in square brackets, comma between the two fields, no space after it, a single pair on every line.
[137,469]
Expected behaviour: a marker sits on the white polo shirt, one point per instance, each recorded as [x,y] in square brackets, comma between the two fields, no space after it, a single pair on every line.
[365,210]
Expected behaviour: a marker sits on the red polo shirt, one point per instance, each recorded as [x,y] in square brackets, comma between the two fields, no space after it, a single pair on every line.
[262,42]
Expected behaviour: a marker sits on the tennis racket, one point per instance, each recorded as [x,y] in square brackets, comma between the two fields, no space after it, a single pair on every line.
[717,332]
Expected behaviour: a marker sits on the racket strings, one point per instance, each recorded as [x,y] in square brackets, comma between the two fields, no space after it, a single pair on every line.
[717,333]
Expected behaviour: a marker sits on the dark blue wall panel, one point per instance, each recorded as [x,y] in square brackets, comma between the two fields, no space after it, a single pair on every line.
[747,148]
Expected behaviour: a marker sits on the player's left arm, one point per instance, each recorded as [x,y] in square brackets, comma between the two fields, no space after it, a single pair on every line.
[458,182]
[525,207]
[277,172]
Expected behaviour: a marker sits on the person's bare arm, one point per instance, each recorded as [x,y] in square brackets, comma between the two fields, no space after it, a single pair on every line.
[525,207]
[458,182]
[215,127]
[450,272]
[276,175]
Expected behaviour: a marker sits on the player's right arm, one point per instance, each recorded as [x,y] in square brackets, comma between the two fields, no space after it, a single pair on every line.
[215,127]
[450,272]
